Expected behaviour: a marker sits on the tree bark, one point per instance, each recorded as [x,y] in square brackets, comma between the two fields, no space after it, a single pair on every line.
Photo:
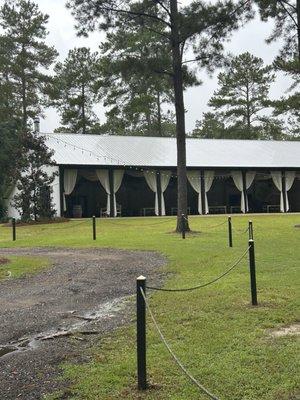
[24,100]
[248,117]
[180,120]
[159,127]
[83,110]
[298,27]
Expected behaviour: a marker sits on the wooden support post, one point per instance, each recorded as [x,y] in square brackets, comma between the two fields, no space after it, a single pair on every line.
[284,190]
[94,228]
[61,191]
[14,235]
[245,191]
[252,273]
[159,193]
[251,230]
[229,231]
[111,189]
[202,194]
[141,332]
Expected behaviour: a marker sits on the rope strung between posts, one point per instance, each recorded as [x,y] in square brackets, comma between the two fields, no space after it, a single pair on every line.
[207,227]
[111,221]
[215,226]
[178,362]
[242,231]
[66,227]
[204,284]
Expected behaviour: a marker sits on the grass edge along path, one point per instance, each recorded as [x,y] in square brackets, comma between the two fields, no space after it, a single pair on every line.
[20,266]
[223,341]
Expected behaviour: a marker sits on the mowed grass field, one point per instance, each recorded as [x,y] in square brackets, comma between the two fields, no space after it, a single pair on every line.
[222,340]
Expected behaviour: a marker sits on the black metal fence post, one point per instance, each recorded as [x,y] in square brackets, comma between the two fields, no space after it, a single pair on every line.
[251,230]
[141,332]
[183,224]
[252,272]
[94,227]
[230,231]
[14,235]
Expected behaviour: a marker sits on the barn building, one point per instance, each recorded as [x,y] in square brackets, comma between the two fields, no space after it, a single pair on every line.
[136,176]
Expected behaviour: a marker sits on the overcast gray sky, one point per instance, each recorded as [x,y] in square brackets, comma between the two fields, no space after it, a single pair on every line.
[251,38]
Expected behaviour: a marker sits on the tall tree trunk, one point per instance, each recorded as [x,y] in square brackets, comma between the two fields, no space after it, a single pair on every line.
[159,127]
[23,94]
[83,109]
[248,117]
[180,119]
[298,27]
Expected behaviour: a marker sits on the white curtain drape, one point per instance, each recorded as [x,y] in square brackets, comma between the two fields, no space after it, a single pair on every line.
[118,177]
[150,177]
[194,178]
[165,177]
[103,176]
[237,177]
[70,177]
[289,180]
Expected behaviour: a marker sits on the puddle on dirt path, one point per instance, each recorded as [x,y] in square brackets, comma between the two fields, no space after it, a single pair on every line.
[6,350]
[105,310]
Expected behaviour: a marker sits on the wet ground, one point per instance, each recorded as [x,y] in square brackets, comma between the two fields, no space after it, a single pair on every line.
[83,295]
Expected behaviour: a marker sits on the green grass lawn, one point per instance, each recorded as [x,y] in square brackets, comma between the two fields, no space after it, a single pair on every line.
[223,341]
[20,266]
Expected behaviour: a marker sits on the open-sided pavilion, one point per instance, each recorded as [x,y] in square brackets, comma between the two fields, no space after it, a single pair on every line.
[131,176]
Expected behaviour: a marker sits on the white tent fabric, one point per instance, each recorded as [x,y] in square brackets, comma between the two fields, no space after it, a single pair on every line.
[194,178]
[150,177]
[118,177]
[103,177]
[289,180]
[237,177]
[165,177]
[70,177]
[208,181]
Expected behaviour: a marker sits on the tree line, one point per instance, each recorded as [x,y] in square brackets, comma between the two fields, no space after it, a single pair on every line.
[142,69]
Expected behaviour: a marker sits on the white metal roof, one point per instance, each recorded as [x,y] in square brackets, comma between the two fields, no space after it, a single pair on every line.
[75,149]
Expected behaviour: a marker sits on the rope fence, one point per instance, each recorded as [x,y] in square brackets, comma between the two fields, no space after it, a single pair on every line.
[183,226]
[176,359]
[143,305]
[235,264]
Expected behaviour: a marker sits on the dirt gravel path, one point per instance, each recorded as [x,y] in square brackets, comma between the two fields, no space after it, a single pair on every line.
[84,290]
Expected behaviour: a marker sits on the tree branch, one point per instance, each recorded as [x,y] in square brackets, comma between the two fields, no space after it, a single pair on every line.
[164,7]
[137,14]
[288,12]
[288,4]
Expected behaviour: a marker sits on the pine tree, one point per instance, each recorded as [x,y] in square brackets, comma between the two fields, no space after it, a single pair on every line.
[243,95]
[74,91]
[286,16]
[34,200]
[200,26]
[11,158]
[210,127]
[24,55]
[138,92]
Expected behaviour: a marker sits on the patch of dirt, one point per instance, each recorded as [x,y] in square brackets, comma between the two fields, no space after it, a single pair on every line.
[291,330]
[3,261]
[84,290]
